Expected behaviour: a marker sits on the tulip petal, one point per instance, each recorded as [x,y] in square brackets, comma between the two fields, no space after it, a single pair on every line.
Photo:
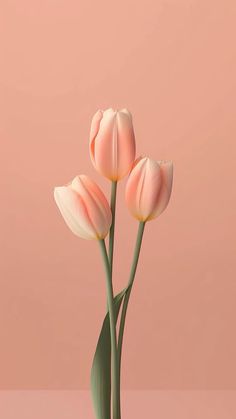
[148,188]
[127,112]
[126,144]
[95,124]
[166,168]
[132,186]
[73,211]
[105,145]
[97,207]
[112,143]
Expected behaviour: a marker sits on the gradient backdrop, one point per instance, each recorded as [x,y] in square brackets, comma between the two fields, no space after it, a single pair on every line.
[173,64]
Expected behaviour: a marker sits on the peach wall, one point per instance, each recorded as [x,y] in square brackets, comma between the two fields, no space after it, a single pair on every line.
[173,64]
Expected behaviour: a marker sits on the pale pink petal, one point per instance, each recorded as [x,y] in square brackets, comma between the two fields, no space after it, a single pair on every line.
[73,212]
[127,112]
[133,186]
[112,143]
[166,188]
[125,144]
[148,188]
[105,146]
[95,124]
[96,203]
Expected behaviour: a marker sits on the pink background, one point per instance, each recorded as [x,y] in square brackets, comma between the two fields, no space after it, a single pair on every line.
[74,404]
[173,64]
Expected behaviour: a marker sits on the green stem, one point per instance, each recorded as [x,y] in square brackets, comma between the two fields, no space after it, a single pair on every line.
[111,252]
[114,353]
[127,295]
[112,229]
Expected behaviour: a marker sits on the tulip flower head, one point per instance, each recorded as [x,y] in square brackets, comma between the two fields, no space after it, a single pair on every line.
[84,208]
[112,143]
[148,188]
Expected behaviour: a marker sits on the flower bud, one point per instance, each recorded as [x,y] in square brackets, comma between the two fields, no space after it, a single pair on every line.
[148,188]
[84,208]
[112,143]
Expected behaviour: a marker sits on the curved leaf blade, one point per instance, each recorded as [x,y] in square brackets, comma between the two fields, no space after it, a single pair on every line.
[101,367]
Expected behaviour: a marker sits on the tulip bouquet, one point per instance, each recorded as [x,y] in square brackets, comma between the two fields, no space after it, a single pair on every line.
[88,214]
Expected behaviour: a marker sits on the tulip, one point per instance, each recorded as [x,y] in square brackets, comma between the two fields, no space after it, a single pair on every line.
[148,188]
[84,208]
[112,143]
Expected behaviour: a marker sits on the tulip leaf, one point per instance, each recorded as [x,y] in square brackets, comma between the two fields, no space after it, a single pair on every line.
[101,367]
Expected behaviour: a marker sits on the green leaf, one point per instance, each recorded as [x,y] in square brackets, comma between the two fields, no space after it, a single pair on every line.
[101,368]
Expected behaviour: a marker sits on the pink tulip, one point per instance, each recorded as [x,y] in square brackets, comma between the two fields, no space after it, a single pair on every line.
[112,143]
[148,188]
[84,208]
